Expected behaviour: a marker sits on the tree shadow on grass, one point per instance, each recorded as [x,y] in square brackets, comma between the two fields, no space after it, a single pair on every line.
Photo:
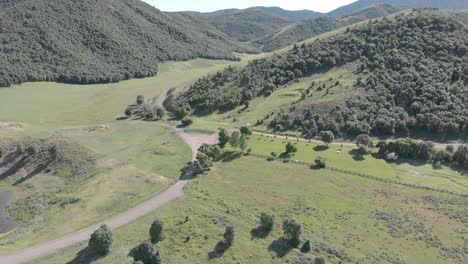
[281,247]
[259,232]
[218,251]
[321,148]
[85,256]
[229,156]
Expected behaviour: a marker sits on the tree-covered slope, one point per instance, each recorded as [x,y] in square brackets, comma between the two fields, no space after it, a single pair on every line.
[94,41]
[312,27]
[295,15]
[442,4]
[246,25]
[412,76]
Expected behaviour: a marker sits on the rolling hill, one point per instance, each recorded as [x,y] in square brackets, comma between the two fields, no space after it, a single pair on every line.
[312,27]
[246,25]
[285,14]
[441,4]
[99,41]
[409,75]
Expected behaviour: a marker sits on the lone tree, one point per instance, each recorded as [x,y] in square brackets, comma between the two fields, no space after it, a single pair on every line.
[245,131]
[140,99]
[235,140]
[364,141]
[101,241]
[243,143]
[160,113]
[229,235]
[292,231]
[267,221]
[290,149]
[157,231]
[146,254]
[187,121]
[327,137]
[306,247]
[320,260]
[223,138]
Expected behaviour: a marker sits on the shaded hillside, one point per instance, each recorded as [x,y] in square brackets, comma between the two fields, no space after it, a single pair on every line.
[246,25]
[93,41]
[285,14]
[412,74]
[312,27]
[441,4]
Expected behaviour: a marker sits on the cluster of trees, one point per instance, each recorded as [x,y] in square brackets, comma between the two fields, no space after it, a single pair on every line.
[407,148]
[292,231]
[103,41]
[413,73]
[209,153]
[145,110]
[101,241]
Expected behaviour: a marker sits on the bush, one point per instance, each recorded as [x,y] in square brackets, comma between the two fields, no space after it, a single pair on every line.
[157,231]
[320,163]
[101,241]
[140,99]
[292,231]
[306,247]
[267,221]
[320,260]
[229,235]
[187,121]
[146,254]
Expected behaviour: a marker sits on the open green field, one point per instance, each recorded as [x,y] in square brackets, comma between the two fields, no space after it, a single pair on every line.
[136,159]
[346,219]
[344,158]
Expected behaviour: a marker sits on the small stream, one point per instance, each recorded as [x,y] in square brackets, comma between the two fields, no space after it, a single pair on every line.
[6,224]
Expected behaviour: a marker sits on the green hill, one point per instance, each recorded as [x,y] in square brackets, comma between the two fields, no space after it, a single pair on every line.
[442,4]
[312,27]
[410,77]
[99,41]
[296,15]
[246,25]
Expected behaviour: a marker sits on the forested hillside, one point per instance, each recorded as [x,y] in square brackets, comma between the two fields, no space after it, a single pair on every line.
[296,15]
[412,76]
[93,41]
[246,25]
[312,27]
[441,4]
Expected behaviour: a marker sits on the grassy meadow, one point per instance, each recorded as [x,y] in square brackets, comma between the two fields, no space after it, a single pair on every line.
[346,219]
[136,159]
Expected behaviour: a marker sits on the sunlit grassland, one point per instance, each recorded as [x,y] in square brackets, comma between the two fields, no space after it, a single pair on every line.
[338,213]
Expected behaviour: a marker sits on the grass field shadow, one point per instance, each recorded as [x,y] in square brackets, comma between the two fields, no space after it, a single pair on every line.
[229,156]
[281,247]
[218,251]
[321,148]
[84,256]
[259,232]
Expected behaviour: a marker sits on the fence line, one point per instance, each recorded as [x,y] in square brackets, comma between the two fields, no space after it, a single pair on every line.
[368,176]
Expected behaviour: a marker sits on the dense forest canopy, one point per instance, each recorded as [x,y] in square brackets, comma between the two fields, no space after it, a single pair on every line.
[92,41]
[414,76]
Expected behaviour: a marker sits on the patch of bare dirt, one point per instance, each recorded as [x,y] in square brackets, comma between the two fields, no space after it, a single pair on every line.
[9,126]
[99,128]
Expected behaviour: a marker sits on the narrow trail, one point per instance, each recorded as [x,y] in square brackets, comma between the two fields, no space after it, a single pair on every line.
[194,140]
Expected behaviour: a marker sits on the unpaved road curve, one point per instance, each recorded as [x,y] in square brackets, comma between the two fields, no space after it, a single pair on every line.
[194,140]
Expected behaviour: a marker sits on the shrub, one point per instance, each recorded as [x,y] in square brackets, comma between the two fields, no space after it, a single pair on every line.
[187,121]
[320,260]
[306,247]
[229,235]
[267,221]
[140,99]
[101,241]
[146,254]
[320,163]
[157,231]
[292,231]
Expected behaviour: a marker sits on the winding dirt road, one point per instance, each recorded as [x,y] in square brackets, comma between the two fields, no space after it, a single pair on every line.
[194,140]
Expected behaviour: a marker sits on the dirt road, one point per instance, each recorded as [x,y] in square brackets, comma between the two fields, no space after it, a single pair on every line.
[194,140]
